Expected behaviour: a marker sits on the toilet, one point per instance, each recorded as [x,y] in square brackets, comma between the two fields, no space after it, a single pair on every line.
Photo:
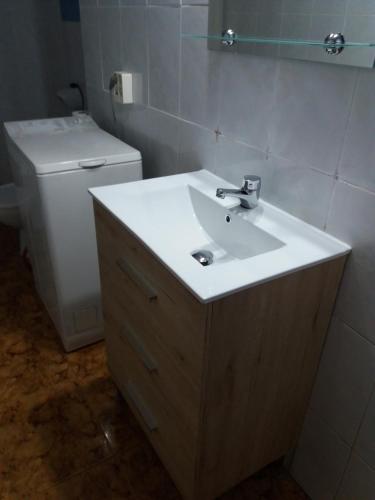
[9,214]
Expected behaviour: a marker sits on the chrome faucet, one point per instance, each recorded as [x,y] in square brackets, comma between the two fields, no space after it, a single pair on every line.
[248,194]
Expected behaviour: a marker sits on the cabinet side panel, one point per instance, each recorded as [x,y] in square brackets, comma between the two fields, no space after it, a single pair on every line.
[264,350]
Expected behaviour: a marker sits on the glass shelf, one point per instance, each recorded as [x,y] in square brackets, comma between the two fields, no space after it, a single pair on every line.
[278,41]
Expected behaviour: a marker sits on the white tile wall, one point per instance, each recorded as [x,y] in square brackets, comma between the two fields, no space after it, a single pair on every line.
[134,50]
[320,459]
[164,57]
[359,481]
[200,72]
[247,119]
[365,443]
[308,129]
[310,113]
[110,36]
[91,47]
[197,148]
[345,380]
[296,189]
[358,157]
[352,219]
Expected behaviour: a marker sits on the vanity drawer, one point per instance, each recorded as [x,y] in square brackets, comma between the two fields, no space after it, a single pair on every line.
[176,446]
[156,362]
[161,306]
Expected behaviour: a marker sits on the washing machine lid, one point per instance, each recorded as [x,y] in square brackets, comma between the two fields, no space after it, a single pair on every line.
[65,144]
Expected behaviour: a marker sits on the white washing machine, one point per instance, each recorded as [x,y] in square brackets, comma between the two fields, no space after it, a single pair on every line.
[55,162]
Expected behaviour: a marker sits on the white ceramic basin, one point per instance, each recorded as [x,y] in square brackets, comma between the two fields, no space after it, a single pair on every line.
[178,215]
[227,235]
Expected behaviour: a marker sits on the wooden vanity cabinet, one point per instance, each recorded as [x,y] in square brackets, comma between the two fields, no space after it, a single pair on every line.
[220,389]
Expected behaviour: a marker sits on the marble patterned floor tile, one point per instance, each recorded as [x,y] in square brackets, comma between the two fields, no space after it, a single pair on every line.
[140,476]
[47,439]
[135,475]
[113,414]
[87,364]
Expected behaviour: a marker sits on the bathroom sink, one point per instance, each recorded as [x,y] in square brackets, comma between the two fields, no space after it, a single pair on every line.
[225,233]
[179,216]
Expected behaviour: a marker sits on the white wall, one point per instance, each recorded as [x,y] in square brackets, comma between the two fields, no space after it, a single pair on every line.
[38,55]
[308,129]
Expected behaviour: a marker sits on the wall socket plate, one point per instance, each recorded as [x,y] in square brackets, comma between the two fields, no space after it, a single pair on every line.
[123,87]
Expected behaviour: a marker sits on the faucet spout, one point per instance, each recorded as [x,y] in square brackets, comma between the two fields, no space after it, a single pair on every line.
[248,194]
[222,193]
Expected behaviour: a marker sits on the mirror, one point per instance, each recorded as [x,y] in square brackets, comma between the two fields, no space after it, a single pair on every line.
[296,29]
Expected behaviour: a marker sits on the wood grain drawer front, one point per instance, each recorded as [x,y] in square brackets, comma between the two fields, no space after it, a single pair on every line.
[161,305]
[157,364]
[175,446]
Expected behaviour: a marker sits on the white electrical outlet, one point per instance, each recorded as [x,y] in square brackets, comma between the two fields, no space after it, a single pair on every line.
[123,87]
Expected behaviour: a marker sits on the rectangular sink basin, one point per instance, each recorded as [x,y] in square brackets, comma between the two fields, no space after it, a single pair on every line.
[225,233]
[179,215]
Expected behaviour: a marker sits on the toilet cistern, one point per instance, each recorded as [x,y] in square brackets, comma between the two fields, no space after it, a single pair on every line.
[248,194]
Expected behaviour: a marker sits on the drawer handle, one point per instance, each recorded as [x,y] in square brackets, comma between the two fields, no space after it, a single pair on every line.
[138,279]
[141,406]
[140,349]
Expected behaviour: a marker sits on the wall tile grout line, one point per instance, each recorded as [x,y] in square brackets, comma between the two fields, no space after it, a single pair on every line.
[339,160]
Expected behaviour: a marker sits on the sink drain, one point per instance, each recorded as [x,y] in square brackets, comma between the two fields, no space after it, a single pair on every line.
[204,257]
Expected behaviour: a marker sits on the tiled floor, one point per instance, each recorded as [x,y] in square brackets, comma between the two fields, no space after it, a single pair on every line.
[64,431]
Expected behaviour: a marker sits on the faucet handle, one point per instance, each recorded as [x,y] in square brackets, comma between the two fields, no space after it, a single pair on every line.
[251,183]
